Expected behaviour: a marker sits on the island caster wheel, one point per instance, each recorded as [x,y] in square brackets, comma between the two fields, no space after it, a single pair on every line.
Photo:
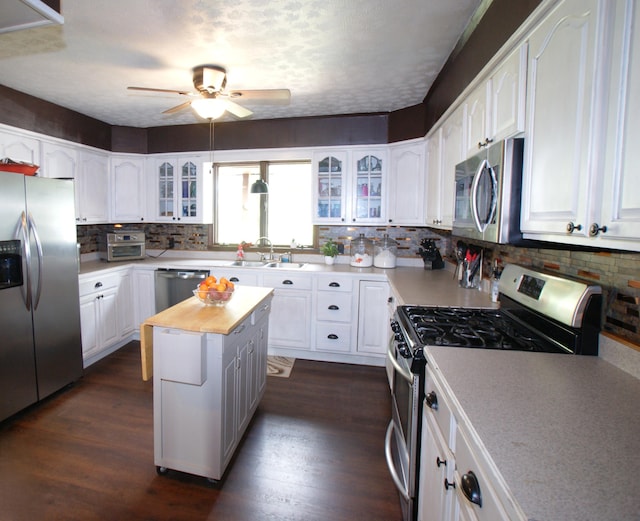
[162,470]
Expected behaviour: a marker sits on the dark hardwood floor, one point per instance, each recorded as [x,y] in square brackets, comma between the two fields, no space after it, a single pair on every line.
[313,452]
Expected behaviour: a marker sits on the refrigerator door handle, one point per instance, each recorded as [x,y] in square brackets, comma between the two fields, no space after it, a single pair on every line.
[33,229]
[22,234]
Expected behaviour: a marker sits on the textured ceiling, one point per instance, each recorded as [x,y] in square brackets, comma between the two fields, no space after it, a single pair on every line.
[336,56]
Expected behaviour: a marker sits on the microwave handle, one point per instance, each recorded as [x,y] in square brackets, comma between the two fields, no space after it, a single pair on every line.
[474,195]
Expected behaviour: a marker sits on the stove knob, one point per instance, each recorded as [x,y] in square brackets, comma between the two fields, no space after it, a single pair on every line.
[404,350]
[395,327]
[398,337]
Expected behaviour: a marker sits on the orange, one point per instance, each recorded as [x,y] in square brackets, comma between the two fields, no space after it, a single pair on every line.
[210,280]
[230,286]
[221,287]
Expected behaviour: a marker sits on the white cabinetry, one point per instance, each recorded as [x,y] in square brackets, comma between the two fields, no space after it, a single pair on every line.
[58,161]
[144,294]
[183,190]
[350,186]
[496,108]
[19,147]
[335,311]
[291,319]
[373,317]
[565,130]
[221,379]
[127,189]
[92,188]
[406,193]
[444,152]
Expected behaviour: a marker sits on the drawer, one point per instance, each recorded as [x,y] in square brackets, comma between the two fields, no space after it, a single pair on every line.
[262,311]
[442,413]
[334,307]
[90,285]
[335,283]
[469,459]
[333,337]
[180,356]
[243,277]
[286,281]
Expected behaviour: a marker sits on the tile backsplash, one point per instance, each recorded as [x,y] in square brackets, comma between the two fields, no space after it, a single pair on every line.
[617,272]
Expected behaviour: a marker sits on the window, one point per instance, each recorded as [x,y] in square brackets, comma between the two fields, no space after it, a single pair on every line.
[282,215]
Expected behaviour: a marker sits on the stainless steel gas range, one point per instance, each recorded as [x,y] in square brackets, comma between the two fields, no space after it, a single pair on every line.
[539,312]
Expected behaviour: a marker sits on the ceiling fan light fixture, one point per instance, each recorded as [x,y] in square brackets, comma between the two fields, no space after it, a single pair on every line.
[209,108]
[259,187]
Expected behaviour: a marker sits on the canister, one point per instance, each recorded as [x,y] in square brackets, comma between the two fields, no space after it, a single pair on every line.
[361,252]
[385,252]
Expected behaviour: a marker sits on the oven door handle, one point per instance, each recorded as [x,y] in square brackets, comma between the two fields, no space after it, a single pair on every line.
[392,469]
[391,354]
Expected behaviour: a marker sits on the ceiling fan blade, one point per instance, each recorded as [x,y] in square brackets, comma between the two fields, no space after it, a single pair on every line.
[177,108]
[237,110]
[271,96]
[150,89]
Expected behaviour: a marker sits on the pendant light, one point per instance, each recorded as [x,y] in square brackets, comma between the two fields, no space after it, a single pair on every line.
[259,187]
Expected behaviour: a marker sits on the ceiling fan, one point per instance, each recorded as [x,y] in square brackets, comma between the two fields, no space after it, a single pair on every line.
[212,100]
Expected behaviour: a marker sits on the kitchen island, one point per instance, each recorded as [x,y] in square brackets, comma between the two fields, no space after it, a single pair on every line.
[209,367]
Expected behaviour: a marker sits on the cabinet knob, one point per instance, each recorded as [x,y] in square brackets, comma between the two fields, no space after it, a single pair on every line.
[471,488]
[572,227]
[333,307]
[440,462]
[595,229]
[334,284]
[332,336]
[287,282]
[448,485]
[432,400]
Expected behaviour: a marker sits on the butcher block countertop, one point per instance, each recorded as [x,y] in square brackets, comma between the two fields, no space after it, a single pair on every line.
[193,315]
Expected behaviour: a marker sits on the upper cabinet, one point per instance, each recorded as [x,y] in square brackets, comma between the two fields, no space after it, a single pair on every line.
[566,132]
[58,161]
[183,190]
[19,147]
[127,189]
[495,109]
[92,188]
[406,193]
[350,186]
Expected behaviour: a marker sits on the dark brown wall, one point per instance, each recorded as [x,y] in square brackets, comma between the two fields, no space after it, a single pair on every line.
[407,123]
[500,21]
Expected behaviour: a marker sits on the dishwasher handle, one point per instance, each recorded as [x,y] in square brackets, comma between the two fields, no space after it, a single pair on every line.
[182,274]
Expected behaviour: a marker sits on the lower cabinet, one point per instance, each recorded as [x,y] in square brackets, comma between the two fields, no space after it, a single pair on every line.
[290,323]
[334,313]
[373,317]
[206,389]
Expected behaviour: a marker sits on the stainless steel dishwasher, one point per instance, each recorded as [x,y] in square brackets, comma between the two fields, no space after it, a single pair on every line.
[174,285]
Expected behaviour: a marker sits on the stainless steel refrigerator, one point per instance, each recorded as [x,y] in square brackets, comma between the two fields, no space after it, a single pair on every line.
[40,343]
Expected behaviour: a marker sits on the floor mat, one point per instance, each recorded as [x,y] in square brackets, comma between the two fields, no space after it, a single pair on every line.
[280,366]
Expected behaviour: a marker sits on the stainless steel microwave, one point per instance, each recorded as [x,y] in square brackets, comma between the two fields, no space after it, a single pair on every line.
[123,246]
[488,189]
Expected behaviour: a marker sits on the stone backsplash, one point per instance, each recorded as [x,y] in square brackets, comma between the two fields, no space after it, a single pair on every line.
[617,272]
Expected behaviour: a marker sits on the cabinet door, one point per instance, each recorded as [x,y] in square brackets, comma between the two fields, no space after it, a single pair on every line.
[58,161]
[229,410]
[195,191]
[477,109]
[127,189]
[164,182]
[507,87]
[330,193]
[19,148]
[433,179]
[405,204]
[243,391]
[369,188]
[108,322]
[621,197]
[436,466]
[563,121]
[92,191]
[144,295]
[451,155]
[125,304]
[290,320]
[89,325]
[373,323]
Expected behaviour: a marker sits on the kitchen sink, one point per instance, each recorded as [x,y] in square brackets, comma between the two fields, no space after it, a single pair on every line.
[285,265]
[249,264]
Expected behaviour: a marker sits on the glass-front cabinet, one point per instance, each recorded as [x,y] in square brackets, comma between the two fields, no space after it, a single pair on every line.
[184,191]
[350,186]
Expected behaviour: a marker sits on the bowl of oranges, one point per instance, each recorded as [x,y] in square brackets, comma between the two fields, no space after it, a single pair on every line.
[214,292]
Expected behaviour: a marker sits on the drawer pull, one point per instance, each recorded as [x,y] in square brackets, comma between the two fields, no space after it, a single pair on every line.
[448,485]
[287,282]
[234,279]
[98,285]
[471,488]
[432,400]
[333,307]
[332,336]
[440,462]
[334,285]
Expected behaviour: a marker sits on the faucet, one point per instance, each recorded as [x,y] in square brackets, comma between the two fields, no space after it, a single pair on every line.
[265,239]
